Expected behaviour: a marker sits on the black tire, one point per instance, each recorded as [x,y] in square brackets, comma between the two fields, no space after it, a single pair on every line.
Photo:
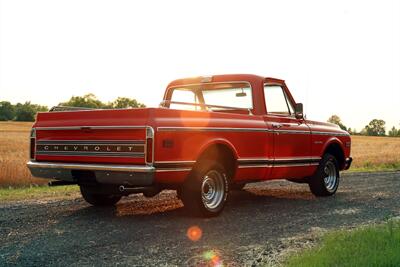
[97,199]
[205,190]
[325,181]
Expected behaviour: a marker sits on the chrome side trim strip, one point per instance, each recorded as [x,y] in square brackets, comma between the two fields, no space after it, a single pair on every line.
[296,165]
[190,129]
[288,159]
[279,159]
[278,165]
[329,133]
[210,129]
[173,170]
[93,167]
[255,166]
[229,129]
[277,162]
[89,127]
[176,162]
[291,132]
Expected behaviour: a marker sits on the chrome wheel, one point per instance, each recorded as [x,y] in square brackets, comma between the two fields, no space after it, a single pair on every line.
[213,189]
[331,176]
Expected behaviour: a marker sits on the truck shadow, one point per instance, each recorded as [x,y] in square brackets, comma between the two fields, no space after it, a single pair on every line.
[250,202]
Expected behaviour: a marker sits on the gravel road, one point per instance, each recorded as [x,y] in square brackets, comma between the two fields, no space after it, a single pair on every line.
[257,226]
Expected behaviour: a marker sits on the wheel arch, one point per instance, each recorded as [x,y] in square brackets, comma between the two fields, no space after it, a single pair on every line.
[222,151]
[335,147]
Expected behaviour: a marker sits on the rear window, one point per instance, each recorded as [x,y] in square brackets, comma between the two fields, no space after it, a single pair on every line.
[213,96]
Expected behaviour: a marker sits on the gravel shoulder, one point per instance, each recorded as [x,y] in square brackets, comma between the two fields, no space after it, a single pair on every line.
[258,226]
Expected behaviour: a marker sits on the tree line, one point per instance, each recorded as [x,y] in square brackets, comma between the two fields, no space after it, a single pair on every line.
[27,111]
[375,127]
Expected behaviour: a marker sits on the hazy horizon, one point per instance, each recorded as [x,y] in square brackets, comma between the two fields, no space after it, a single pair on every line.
[339,57]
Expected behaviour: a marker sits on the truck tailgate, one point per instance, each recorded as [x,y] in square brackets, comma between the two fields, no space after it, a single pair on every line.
[92,136]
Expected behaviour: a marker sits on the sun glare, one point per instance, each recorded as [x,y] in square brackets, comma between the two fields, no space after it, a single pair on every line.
[194,233]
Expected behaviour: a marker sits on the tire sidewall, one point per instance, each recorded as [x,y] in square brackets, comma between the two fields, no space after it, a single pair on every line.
[192,195]
[321,173]
[317,181]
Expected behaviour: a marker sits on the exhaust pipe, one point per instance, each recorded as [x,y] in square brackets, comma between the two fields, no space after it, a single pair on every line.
[125,189]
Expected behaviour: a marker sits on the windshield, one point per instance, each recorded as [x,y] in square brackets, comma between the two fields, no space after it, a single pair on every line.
[213,97]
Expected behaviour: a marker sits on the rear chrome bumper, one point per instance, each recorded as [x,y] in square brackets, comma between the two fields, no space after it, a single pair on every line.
[134,175]
[347,163]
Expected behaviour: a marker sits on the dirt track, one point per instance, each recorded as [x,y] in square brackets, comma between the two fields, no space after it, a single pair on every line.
[257,224]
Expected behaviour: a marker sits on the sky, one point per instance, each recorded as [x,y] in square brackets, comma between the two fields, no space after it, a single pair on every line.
[337,57]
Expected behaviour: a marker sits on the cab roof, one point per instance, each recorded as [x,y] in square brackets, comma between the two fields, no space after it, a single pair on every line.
[253,79]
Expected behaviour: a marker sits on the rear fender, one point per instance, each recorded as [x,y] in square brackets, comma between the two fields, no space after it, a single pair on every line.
[218,141]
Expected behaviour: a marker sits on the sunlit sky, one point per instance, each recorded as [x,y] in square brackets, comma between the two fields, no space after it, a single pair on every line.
[337,57]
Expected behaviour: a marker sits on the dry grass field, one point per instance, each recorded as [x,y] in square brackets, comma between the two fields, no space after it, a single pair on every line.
[14,146]
[369,154]
[375,153]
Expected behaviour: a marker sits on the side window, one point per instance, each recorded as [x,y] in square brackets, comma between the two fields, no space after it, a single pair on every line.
[187,96]
[277,101]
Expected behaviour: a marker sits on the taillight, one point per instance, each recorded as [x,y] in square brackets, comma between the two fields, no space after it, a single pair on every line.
[149,145]
[32,146]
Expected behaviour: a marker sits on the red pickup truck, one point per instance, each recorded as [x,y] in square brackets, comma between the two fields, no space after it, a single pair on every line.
[210,135]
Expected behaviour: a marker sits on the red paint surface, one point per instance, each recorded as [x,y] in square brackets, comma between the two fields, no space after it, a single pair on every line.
[188,145]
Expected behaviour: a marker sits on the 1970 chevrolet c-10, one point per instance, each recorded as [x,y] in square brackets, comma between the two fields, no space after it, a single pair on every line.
[210,135]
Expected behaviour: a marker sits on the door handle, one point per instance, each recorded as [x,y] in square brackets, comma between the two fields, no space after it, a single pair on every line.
[276,125]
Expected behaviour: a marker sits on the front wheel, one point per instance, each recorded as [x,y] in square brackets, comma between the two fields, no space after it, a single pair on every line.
[325,181]
[97,199]
[206,189]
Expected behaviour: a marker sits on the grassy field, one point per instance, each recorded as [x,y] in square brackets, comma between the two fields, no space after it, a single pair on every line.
[372,153]
[369,154]
[14,147]
[39,192]
[377,245]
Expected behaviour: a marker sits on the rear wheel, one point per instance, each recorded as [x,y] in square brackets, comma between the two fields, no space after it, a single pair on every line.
[206,189]
[325,181]
[98,199]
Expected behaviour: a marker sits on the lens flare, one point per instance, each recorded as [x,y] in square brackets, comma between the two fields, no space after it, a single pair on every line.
[213,258]
[194,233]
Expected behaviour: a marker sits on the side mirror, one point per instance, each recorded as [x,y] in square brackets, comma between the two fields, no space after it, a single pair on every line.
[298,111]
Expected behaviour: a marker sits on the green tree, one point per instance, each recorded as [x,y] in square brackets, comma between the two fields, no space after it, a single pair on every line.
[335,119]
[86,101]
[7,111]
[124,102]
[376,128]
[27,111]
[394,132]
